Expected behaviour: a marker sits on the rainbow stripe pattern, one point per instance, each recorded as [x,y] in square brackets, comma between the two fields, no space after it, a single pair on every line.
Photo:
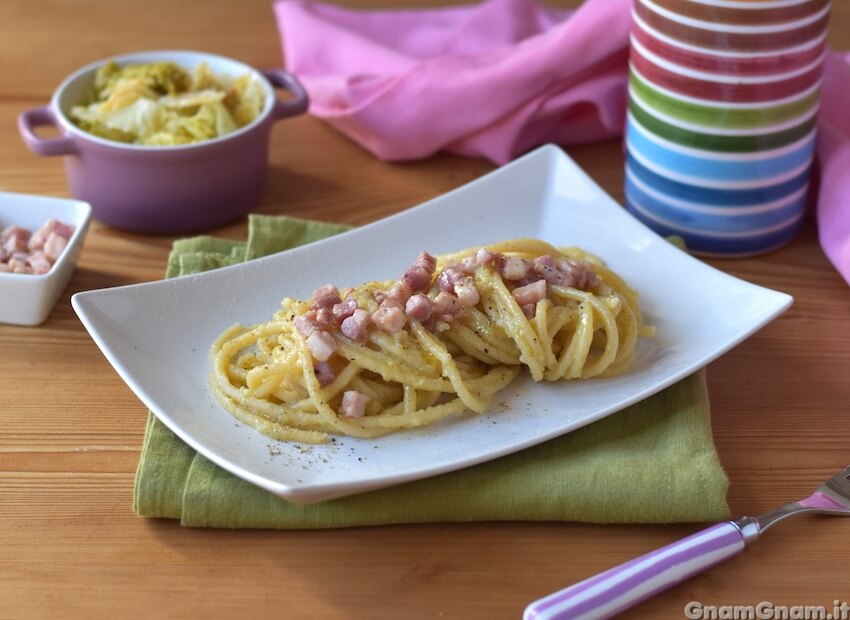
[723,98]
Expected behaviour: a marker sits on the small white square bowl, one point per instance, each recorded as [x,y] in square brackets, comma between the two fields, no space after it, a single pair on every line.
[27,299]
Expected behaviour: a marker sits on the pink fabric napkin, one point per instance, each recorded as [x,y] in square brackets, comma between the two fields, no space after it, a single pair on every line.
[834,159]
[499,78]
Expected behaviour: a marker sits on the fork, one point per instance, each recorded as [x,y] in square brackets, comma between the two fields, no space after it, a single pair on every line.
[624,586]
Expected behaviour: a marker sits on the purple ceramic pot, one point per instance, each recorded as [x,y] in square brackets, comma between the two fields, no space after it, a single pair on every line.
[170,189]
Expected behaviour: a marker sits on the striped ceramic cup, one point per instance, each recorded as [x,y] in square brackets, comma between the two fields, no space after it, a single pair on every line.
[723,96]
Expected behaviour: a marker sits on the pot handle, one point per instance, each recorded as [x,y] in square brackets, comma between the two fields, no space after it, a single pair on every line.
[45,147]
[285,80]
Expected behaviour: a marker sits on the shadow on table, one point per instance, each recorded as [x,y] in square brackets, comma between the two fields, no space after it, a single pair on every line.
[285,187]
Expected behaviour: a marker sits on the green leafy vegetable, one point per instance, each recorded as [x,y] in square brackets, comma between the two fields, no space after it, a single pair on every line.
[161,104]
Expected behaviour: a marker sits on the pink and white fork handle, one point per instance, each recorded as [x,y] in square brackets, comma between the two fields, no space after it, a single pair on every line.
[624,586]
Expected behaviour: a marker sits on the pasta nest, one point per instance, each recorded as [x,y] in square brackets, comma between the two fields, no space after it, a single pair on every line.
[264,375]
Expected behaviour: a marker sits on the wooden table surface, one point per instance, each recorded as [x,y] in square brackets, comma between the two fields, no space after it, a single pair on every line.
[71,431]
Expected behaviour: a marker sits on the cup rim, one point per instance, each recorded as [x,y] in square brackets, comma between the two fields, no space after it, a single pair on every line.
[67,125]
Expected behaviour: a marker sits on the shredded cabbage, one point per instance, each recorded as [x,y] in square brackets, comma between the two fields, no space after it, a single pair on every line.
[161,104]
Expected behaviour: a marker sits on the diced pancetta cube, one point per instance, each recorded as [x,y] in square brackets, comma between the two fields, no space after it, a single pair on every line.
[544,262]
[417,278]
[14,244]
[467,292]
[446,307]
[447,278]
[353,404]
[530,293]
[579,275]
[356,326]
[486,258]
[324,317]
[306,324]
[389,317]
[39,263]
[63,230]
[516,268]
[52,225]
[15,231]
[418,275]
[400,291]
[548,269]
[18,265]
[36,242]
[322,345]
[419,307]
[326,296]
[426,262]
[469,264]
[54,245]
[324,373]
[344,309]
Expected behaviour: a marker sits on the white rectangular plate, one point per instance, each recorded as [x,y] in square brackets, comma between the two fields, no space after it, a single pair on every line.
[157,335]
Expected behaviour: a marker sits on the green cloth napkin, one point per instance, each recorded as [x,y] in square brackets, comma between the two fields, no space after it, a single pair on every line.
[654,462]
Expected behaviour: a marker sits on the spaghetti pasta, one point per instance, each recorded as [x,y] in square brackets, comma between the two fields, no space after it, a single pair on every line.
[444,338]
